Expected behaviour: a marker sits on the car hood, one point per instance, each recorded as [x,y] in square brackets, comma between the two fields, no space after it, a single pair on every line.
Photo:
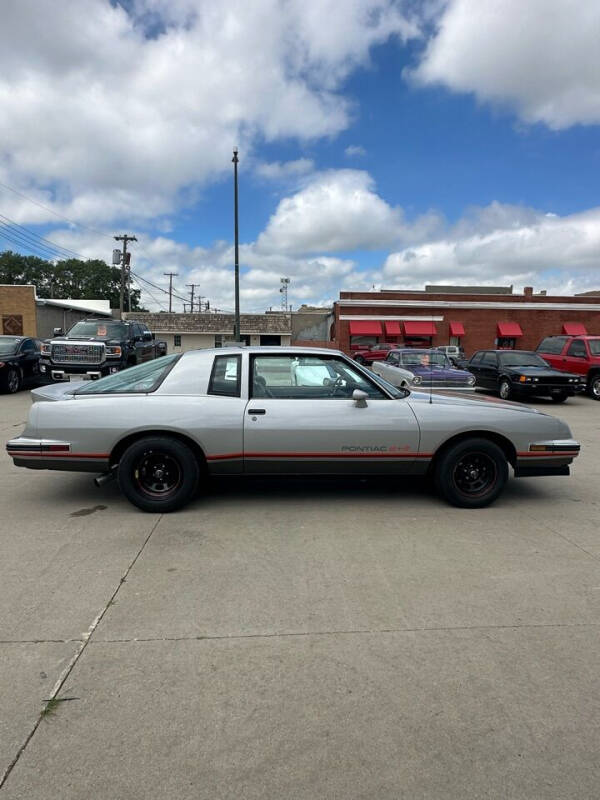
[473,400]
[55,391]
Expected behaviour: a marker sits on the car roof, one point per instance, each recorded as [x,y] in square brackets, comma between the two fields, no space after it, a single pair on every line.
[275,350]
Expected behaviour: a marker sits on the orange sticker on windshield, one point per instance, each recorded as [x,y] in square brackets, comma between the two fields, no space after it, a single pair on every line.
[101,330]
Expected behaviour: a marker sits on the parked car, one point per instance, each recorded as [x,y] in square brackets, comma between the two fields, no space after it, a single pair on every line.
[375,352]
[97,347]
[520,373]
[392,372]
[163,427]
[451,350]
[432,367]
[19,360]
[578,355]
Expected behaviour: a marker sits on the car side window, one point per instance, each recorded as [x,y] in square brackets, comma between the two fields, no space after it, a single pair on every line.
[28,346]
[307,377]
[225,378]
[489,360]
[577,349]
[552,345]
[476,359]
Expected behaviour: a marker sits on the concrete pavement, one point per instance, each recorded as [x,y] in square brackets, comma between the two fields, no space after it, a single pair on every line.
[321,639]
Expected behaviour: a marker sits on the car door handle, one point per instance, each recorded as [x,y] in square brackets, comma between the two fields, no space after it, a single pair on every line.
[256,411]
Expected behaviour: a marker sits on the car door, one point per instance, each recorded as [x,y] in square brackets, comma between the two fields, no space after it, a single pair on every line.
[488,370]
[296,426]
[29,358]
[576,358]
[474,366]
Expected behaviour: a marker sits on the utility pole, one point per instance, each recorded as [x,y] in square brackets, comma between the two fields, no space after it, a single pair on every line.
[236,324]
[171,276]
[124,264]
[285,282]
[192,287]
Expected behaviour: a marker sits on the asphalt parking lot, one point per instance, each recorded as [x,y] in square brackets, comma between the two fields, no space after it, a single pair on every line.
[339,639]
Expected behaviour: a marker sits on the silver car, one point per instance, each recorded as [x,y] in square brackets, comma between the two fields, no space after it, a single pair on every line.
[163,427]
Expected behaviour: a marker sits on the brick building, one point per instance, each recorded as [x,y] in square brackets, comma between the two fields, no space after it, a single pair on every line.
[460,316]
[18,311]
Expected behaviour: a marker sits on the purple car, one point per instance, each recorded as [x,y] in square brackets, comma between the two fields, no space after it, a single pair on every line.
[433,368]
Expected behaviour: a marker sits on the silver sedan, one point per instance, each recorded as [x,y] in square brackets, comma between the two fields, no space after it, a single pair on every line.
[163,427]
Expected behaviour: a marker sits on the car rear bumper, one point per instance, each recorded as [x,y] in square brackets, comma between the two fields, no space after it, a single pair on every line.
[51,454]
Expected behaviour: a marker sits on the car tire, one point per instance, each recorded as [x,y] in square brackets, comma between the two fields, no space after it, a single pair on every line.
[158,474]
[593,388]
[12,380]
[471,473]
[505,389]
[558,398]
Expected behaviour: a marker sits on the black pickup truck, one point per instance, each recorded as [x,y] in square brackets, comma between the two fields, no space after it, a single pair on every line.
[98,347]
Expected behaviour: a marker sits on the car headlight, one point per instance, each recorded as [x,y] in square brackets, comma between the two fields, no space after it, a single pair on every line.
[45,349]
[523,379]
[417,380]
[113,351]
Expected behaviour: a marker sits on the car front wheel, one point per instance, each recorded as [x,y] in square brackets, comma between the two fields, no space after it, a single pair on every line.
[505,389]
[12,380]
[594,387]
[158,474]
[471,473]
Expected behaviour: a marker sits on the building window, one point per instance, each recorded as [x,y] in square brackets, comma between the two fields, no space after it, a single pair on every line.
[218,340]
[270,340]
[177,340]
[506,343]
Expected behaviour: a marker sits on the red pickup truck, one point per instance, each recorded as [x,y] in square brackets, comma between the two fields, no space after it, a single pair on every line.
[374,352]
[579,354]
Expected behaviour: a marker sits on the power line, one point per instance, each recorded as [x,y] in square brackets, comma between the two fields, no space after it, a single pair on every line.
[51,211]
[160,288]
[40,242]
[142,289]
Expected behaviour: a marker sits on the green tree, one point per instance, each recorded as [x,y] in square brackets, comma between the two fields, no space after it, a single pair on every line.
[67,280]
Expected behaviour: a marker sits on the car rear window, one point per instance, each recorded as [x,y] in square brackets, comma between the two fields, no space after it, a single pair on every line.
[142,379]
[552,344]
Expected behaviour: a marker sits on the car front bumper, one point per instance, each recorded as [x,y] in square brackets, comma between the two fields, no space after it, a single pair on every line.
[549,457]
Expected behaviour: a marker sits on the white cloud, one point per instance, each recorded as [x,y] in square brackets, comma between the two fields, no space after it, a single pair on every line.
[522,247]
[355,150]
[338,210]
[278,170]
[113,112]
[541,57]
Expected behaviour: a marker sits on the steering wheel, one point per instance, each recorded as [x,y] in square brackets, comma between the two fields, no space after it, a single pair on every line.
[335,385]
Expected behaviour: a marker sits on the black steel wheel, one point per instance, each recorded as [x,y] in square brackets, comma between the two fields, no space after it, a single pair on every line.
[505,389]
[594,386]
[471,473]
[12,380]
[158,474]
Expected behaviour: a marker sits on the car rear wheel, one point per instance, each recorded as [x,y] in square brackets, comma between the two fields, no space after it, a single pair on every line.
[471,474]
[12,380]
[505,389]
[594,387]
[158,474]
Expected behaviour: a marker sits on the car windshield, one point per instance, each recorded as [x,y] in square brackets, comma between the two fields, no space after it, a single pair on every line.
[423,358]
[594,345]
[8,345]
[522,360]
[143,378]
[102,329]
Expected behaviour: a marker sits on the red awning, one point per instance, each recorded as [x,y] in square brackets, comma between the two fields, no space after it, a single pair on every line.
[457,329]
[392,328]
[365,328]
[574,329]
[419,328]
[509,330]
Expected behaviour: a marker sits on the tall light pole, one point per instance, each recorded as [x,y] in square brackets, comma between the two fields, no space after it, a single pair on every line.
[236,324]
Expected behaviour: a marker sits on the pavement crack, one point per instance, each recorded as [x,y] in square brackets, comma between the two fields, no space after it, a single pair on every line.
[351,632]
[83,643]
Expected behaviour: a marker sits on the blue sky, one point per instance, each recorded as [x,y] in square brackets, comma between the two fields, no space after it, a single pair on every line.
[394,144]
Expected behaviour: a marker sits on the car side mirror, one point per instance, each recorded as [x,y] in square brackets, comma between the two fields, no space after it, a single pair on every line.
[360,398]
[148,337]
[58,332]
